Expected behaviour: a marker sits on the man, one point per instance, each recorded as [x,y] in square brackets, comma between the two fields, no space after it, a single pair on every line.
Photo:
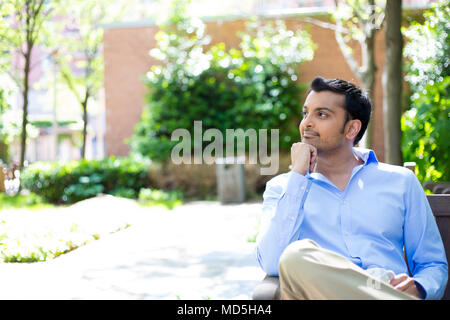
[339,214]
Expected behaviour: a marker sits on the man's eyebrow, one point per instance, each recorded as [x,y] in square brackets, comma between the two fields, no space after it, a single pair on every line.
[320,109]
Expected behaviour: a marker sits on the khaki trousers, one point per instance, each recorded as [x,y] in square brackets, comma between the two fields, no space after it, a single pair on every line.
[308,271]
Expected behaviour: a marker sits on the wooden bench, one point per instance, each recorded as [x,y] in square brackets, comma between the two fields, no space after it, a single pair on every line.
[269,287]
[438,187]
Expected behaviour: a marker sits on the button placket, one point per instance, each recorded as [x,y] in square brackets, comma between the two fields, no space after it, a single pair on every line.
[346,214]
[346,224]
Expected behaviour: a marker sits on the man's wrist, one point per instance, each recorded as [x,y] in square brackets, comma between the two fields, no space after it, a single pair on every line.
[300,171]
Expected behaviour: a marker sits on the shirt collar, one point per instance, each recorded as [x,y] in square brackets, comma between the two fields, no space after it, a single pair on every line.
[367,155]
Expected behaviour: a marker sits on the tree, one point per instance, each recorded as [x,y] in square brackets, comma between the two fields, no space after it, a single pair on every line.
[80,47]
[24,30]
[392,83]
[3,103]
[360,20]
[426,124]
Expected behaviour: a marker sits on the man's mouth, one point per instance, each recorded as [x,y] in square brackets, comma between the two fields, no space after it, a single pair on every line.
[309,134]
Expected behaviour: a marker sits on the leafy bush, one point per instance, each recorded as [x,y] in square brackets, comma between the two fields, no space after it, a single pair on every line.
[151,197]
[124,193]
[251,87]
[426,125]
[79,180]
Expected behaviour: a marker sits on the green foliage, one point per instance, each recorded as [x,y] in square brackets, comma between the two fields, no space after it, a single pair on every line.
[3,136]
[354,14]
[24,25]
[251,87]
[83,47]
[124,193]
[79,180]
[426,125]
[48,123]
[3,235]
[29,201]
[3,105]
[152,197]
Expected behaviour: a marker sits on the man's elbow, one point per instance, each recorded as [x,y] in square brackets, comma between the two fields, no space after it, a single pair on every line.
[268,265]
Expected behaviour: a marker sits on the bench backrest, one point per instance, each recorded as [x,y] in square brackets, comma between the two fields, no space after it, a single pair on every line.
[440,205]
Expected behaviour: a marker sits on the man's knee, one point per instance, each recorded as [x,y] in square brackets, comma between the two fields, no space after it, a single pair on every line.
[296,254]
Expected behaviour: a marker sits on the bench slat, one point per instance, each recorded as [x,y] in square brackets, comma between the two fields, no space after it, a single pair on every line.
[440,204]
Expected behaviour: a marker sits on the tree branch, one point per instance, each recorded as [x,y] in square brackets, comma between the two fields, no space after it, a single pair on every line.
[346,52]
[34,30]
[380,21]
[66,76]
[324,25]
[356,11]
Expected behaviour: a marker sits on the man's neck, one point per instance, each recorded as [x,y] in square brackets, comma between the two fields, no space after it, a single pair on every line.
[337,162]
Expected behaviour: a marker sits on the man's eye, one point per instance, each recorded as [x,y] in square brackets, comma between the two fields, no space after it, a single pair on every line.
[304,113]
[322,115]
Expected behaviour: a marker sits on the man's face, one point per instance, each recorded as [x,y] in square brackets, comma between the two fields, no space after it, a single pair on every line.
[324,119]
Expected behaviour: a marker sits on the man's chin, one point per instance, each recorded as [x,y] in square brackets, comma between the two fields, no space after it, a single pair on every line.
[313,142]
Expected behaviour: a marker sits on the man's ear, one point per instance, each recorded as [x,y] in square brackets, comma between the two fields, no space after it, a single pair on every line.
[353,128]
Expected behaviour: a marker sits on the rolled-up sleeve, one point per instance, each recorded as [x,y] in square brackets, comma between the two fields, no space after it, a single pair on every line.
[423,244]
[281,218]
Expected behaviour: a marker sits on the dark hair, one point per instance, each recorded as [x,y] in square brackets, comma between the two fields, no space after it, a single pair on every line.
[357,103]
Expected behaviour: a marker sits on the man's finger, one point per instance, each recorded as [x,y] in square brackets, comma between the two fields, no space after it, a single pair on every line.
[313,159]
[404,285]
[399,278]
[412,290]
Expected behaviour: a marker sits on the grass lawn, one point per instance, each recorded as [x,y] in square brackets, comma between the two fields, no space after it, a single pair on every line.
[30,201]
[32,231]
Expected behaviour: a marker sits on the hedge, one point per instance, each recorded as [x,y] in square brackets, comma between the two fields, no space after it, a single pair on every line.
[65,183]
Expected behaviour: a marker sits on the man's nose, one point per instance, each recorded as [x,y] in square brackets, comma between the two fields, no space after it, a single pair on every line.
[307,122]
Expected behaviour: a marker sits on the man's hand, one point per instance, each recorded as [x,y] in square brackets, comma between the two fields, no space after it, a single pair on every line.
[303,157]
[406,284]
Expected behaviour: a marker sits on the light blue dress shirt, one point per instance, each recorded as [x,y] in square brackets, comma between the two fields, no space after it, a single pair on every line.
[382,209]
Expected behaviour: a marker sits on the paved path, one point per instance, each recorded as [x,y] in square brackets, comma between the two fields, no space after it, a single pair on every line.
[196,251]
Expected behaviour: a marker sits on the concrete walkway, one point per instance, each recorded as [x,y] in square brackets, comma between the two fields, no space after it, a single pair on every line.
[197,251]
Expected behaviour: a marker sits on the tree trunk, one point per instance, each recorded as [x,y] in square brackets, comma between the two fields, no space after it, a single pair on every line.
[368,82]
[85,120]
[392,83]
[366,72]
[23,138]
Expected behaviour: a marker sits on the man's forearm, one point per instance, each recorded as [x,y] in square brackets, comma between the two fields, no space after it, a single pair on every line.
[284,217]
